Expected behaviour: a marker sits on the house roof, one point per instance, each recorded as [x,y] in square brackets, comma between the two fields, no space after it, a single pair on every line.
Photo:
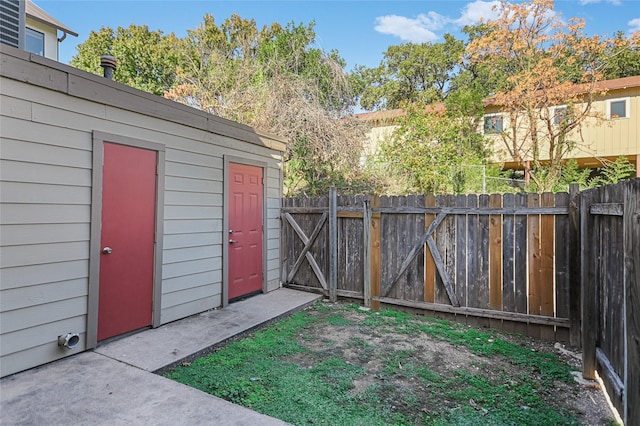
[604,85]
[37,14]
[389,115]
[619,83]
[381,115]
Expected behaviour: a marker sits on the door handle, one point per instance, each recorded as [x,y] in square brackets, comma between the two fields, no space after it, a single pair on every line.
[232,241]
[107,250]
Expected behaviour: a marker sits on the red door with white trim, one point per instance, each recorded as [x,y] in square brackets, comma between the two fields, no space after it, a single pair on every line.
[245,230]
[127,240]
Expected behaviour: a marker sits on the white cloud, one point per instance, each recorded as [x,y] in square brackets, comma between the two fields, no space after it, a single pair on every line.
[613,2]
[416,30]
[634,25]
[421,29]
[478,10]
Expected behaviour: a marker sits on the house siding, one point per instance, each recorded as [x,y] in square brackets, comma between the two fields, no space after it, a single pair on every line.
[598,137]
[48,113]
[617,136]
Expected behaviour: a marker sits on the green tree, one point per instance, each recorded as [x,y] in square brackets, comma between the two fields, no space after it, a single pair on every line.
[147,60]
[622,56]
[436,152]
[411,73]
[273,79]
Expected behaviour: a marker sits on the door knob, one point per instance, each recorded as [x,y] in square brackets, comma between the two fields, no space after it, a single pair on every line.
[107,250]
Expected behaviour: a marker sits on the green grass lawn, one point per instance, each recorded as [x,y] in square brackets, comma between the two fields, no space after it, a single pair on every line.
[338,365]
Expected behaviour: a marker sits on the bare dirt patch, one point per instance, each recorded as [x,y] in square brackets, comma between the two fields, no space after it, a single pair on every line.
[424,376]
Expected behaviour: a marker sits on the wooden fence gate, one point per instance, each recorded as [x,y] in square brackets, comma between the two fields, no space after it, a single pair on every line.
[610,233]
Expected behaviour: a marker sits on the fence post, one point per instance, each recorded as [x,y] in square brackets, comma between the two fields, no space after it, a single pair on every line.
[366,229]
[631,236]
[588,289]
[374,249]
[574,265]
[333,244]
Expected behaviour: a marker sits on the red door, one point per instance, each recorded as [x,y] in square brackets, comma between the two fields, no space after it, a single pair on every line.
[245,230]
[127,238]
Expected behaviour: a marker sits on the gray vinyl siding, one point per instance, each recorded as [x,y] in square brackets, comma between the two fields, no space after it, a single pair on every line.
[45,201]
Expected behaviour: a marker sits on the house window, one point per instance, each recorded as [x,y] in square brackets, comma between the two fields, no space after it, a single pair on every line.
[34,41]
[492,124]
[618,108]
[559,115]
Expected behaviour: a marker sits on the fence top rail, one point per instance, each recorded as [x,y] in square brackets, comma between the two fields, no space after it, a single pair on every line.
[436,210]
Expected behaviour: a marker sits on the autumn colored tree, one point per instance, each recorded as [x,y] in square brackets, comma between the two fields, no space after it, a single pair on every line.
[542,52]
[147,60]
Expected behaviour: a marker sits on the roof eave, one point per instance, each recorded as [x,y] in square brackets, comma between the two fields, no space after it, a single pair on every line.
[35,13]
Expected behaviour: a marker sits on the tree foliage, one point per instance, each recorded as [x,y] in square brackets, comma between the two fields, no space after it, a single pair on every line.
[621,57]
[542,52]
[610,173]
[435,152]
[411,73]
[273,79]
[613,172]
[147,60]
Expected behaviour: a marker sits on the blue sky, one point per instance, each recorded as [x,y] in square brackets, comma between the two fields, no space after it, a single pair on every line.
[361,30]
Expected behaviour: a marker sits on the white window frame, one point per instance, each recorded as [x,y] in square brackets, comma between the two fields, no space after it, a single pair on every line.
[627,107]
[484,120]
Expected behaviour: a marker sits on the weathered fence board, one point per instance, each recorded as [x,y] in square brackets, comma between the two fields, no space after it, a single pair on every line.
[482,279]
[547,250]
[429,263]
[461,252]
[561,266]
[508,261]
[495,260]
[520,263]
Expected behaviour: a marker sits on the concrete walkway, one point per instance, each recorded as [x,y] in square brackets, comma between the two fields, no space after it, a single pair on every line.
[115,383]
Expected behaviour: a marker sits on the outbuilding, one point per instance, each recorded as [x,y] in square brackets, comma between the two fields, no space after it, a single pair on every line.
[121,210]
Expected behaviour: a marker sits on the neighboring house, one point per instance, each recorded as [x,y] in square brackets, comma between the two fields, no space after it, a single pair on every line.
[616,133]
[122,210]
[26,26]
[382,125]
[614,130]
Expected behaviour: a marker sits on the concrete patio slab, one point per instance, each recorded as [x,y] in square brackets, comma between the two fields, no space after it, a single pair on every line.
[166,346]
[115,384]
[91,389]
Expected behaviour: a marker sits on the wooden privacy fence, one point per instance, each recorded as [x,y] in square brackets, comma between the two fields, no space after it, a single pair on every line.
[504,261]
[610,232]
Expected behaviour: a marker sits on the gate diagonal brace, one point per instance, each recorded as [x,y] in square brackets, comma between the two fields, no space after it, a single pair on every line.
[308,242]
[428,239]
